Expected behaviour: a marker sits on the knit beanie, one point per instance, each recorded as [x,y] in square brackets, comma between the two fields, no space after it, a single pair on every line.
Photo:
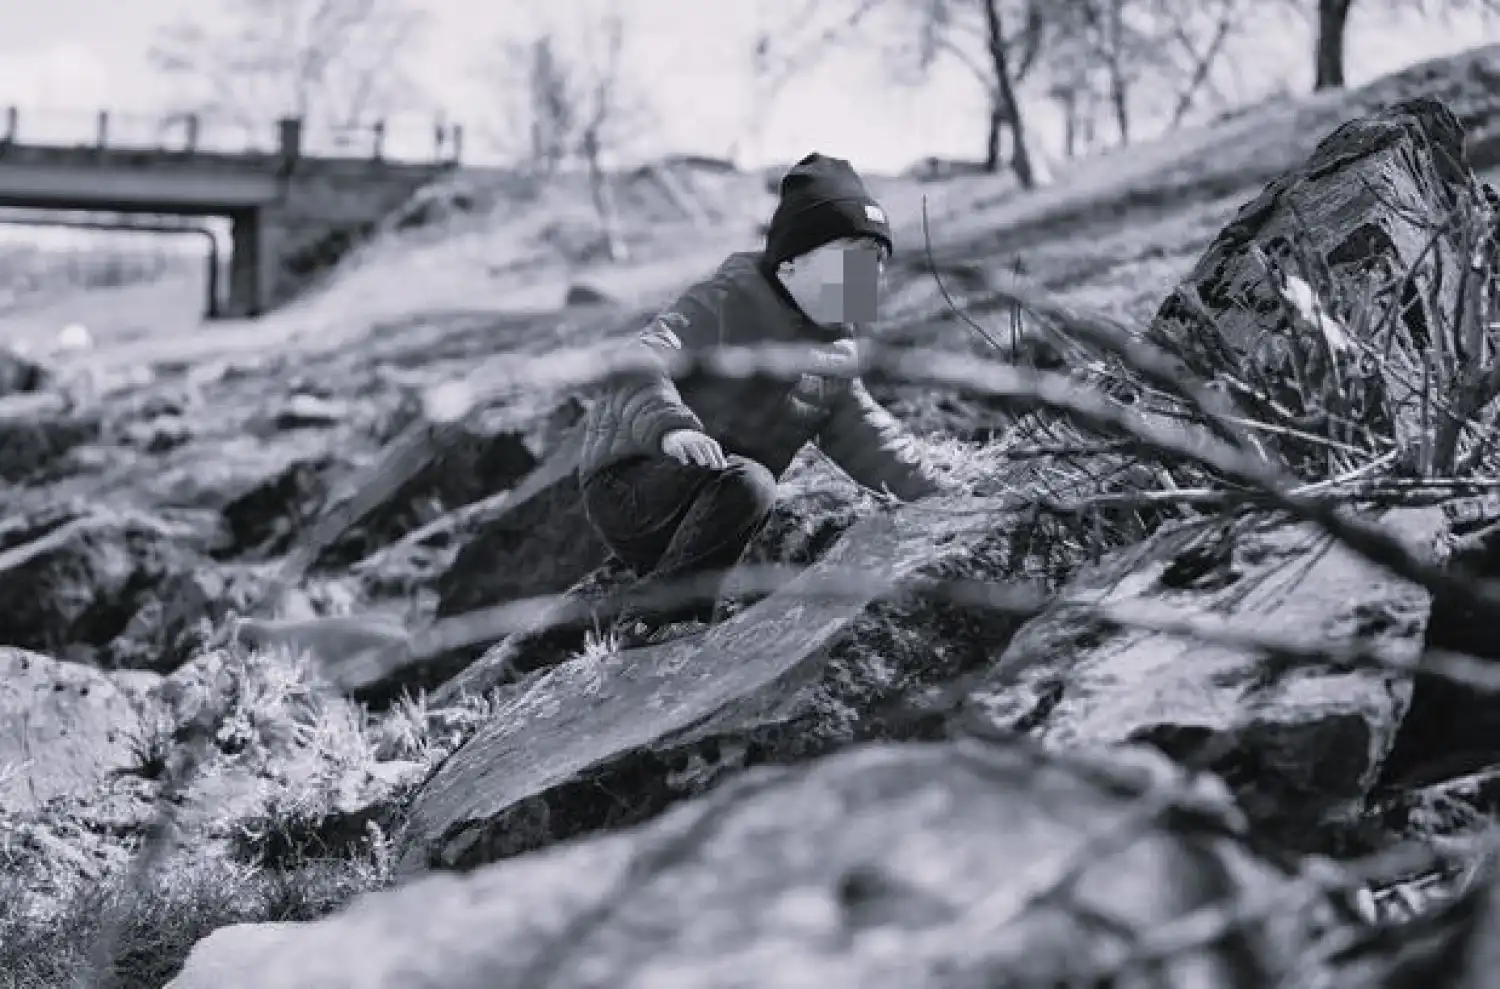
[822,200]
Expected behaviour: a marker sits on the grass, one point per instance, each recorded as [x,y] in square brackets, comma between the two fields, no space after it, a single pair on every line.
[266,719]
[184,902]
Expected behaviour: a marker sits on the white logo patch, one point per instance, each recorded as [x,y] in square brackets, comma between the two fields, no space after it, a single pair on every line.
[660,333]
[873,212]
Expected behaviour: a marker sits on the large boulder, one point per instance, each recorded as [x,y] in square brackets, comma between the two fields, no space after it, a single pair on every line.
[265,490]
[558,633]
[1452,728]
[794,676]
[469,462]
[71,584]
[541,544]
[183,612]
[38,432]
[64,729]
[19,373]
[887,866]
[1303,307]
[1304,746]
[812,511]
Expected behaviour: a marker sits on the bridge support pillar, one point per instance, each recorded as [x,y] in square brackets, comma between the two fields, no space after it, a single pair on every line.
[252,264]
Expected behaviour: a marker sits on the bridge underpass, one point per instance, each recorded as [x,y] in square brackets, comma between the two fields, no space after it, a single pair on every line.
[282,205]
[213,298]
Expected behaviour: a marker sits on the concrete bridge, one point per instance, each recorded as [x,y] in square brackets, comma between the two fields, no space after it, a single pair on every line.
[288,209]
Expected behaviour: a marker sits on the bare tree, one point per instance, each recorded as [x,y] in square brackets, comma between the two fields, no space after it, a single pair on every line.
[1328,48]
[335,64]
[999,42]
[1332,25]
[597,129]
[553,117]
[1204,52]
[1112,57]
[794,45]
[1111,45]
[566,101]
[540,117]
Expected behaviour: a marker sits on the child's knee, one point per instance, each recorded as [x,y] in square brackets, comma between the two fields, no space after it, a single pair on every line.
[753,487]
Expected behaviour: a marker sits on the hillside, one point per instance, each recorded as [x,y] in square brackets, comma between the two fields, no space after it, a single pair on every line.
[882,787]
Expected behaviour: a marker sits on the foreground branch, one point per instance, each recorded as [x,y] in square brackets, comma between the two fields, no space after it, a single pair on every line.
[544,613]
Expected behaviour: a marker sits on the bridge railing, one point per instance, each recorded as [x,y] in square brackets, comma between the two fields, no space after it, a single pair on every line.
[401,139]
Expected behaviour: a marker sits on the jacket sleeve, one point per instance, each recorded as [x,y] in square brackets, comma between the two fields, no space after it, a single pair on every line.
[647,405]
[873,449]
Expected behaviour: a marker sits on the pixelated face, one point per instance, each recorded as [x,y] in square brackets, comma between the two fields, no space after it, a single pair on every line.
[839,282]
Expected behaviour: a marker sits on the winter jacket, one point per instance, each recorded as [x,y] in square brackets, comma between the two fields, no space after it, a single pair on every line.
[764,419]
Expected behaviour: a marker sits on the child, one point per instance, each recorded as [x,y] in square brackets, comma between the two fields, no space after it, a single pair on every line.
[678,477]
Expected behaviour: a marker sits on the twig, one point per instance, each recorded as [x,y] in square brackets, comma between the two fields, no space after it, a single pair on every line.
[823,582]
[586,366]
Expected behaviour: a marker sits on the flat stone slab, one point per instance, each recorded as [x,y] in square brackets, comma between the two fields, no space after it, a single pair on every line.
[64,728]
[885,866]
[588,714]
[1305,742]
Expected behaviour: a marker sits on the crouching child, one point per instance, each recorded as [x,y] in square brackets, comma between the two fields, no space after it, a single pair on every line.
[679,476]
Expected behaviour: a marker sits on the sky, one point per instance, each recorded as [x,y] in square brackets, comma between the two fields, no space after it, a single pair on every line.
[63,60]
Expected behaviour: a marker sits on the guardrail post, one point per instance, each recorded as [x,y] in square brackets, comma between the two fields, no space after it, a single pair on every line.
[289,130]
[378,152]
[190,133]
[458,143]
[101,137]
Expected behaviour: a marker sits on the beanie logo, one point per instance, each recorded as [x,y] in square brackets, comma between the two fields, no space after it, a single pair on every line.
[874,213]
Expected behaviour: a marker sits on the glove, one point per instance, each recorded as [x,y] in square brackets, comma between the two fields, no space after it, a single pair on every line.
[692,447]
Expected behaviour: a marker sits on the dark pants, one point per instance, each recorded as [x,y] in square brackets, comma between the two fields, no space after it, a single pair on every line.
[670,521]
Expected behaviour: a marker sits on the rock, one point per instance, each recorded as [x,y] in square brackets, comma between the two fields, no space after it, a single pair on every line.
[159,434]
[1307,745]
[264,520]
[541,545]
[265,490]
[77,581]
[181,613]
[64,728]
[553,642]
[75,337]
[19,373]
[580,294]
[1452,728]
[1347,224]
[37,433]
[813,510]
[807,520]
[788,678]
[1445,814]
[413,563]
[887,866]
[310,412]
[472,460]
[444,200]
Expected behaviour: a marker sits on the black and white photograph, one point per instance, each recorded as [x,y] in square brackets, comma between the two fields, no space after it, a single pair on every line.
[406,583]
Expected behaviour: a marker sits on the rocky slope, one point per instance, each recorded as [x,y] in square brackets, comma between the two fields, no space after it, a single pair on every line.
[1183,743]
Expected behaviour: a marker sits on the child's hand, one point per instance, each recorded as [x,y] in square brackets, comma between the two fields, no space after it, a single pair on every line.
[692,447]
[839,359]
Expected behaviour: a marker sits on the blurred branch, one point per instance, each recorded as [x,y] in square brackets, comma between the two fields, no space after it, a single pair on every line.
[585,367]
[1203,64]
